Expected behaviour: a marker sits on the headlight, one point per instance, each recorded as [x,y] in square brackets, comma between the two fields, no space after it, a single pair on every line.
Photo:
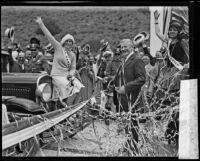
[44,91]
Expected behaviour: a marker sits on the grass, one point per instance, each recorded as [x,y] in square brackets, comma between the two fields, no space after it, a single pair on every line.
[87,26]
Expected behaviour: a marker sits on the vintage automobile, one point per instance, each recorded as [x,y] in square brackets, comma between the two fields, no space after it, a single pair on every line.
[29,94]
[29,89]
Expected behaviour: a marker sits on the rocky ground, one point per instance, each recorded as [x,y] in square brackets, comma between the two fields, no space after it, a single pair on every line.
[105,140]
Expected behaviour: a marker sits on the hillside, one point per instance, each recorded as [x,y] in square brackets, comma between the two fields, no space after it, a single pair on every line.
[86,25]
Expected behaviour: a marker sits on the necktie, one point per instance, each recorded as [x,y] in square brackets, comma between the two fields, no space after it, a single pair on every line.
[123,63]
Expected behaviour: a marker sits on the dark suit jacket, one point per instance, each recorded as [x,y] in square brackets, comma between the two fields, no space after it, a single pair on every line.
[133,76]
[17,68]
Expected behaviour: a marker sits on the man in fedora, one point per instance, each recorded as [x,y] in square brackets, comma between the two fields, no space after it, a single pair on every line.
[131,74]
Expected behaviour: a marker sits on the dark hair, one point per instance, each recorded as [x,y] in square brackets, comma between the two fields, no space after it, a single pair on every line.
[180,27]
[177,24]
[15,44]
[183,35]
[34,40]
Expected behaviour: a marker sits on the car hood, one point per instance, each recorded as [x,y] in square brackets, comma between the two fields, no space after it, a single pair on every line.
[20,77]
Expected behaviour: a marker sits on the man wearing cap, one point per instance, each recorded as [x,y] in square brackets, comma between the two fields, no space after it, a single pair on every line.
[34,40]
[132,77]
[63,68]
[110,73]
[35,63]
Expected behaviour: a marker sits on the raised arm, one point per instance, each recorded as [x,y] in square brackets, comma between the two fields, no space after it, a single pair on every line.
[102,49]
[100,56]
[157,28]
[46,32]
[146,52]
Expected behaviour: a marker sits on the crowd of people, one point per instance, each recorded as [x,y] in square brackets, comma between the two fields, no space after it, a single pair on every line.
[32,59]
[125,70]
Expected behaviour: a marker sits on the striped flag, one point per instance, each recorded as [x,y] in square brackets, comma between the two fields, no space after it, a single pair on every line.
[180,14]
[166,19]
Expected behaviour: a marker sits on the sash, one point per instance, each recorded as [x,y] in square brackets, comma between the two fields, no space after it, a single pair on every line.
[66,56]
[176,63]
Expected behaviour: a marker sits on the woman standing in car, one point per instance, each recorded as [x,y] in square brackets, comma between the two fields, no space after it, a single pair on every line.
[64,65]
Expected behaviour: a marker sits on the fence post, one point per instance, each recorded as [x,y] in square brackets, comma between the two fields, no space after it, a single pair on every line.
[188,120]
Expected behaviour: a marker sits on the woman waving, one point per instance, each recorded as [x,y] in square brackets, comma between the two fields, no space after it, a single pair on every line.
[64,65]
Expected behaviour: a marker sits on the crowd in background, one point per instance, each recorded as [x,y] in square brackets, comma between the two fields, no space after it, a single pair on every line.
[38,59]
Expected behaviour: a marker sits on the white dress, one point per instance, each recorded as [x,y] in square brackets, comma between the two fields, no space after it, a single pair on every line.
[63,88]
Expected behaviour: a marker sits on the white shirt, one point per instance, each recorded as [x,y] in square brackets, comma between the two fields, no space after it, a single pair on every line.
[22,66]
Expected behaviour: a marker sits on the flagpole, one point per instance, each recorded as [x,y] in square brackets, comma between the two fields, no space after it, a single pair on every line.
[166,20]
[155,42]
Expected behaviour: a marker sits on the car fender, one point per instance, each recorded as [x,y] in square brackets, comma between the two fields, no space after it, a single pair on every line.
[23,105]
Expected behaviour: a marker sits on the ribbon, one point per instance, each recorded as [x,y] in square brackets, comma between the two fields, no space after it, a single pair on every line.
[176,63]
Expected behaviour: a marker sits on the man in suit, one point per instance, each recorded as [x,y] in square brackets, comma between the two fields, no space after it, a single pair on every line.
[20,66]
[130,78]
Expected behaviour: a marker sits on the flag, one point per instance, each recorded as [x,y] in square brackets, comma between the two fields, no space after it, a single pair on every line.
[166,19]
[180,14]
